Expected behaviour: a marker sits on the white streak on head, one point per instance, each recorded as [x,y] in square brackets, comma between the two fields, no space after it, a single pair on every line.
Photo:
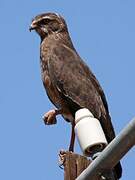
[46,17]
[58,15]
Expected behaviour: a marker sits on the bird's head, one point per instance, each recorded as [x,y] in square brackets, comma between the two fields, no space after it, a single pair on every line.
[48,23]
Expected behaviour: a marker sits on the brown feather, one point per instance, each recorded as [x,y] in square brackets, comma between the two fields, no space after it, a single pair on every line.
[68,81]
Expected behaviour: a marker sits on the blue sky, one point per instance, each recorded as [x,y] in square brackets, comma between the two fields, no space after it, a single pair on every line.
[103,33]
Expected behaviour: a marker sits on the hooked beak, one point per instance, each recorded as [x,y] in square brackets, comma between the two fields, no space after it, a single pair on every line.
[33,26]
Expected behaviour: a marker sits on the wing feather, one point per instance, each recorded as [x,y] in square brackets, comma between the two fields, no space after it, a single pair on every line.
[77,84]
[74,80]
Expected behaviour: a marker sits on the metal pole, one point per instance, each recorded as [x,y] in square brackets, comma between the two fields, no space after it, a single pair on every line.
[112,154]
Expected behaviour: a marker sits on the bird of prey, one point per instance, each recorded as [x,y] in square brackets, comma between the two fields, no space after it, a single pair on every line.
[69,83]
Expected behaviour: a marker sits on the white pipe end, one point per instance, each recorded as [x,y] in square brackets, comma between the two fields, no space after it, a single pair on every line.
[89,132]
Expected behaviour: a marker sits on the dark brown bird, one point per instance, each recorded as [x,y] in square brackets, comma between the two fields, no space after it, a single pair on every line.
[69,83]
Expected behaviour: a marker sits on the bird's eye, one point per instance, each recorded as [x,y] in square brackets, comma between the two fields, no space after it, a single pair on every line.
[45,21]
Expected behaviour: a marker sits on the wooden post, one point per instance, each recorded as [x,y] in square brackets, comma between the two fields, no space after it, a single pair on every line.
[73,164]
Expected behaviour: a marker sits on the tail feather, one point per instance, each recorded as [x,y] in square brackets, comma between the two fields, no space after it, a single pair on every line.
[118,170]
[110,135]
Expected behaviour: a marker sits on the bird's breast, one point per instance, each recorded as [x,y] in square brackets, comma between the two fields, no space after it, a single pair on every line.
[51,89]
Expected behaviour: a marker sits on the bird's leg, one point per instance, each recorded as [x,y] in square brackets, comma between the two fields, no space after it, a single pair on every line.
[71,147]
[72,140]
[50,117]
